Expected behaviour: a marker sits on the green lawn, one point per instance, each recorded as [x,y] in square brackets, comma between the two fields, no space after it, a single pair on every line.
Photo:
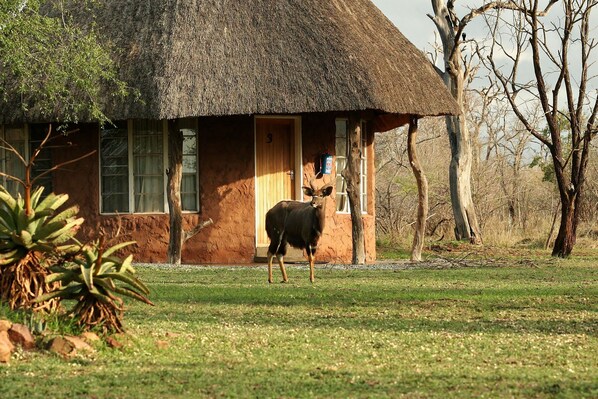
[465,332]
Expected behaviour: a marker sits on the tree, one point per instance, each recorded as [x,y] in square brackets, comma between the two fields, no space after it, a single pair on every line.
[455,75]
[51,68]
[556,76]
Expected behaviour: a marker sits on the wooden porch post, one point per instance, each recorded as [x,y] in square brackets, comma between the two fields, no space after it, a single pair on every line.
[175,175]
[353,180]
[422,191]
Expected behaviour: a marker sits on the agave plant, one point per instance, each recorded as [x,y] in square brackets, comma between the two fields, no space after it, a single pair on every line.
[95,279]
[31,233]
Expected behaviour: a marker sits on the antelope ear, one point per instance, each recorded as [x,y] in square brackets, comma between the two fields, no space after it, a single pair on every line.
[308,191]
[326,190]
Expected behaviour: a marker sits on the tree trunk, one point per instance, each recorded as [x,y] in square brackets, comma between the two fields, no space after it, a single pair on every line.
[353,180]
[422,191]
[175,175]
[466,223]
[566,237]
[552,226]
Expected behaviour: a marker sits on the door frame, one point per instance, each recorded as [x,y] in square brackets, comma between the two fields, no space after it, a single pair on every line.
[298,161]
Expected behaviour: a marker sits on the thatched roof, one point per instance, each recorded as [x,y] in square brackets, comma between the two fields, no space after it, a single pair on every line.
[231,57]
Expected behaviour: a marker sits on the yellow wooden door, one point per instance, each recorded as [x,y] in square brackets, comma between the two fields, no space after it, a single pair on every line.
[274,153]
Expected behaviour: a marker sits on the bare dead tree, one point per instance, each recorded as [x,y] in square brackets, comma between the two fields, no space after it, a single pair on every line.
[457,70]
[455,75]
[557,74]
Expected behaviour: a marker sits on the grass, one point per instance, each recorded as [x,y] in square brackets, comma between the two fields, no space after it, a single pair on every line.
[520,330]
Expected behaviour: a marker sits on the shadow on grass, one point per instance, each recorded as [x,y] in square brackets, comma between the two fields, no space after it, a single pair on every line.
[431,310]
[523,300]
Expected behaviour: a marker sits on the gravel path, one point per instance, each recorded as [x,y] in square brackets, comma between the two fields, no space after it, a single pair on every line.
[379,265]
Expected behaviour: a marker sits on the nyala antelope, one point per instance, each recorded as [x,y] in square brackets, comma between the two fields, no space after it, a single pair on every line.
[299,224]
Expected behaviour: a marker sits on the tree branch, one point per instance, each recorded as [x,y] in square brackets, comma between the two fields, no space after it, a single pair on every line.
[61,165]
[189,234]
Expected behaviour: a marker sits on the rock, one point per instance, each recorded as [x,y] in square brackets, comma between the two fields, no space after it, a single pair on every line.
[5,325]
[20,335]
[113,343]
[79,344]
[90,337]
[67,346]
[62,347]
[6,347]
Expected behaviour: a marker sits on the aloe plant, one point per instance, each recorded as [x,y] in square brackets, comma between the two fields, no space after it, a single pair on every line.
[31,233]
[95,278]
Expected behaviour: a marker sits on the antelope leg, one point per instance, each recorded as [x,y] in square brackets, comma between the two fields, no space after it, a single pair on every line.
[311,267]
[285,279]
[270,267]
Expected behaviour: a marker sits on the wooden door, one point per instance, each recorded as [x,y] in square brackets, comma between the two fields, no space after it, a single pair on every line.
[275,168]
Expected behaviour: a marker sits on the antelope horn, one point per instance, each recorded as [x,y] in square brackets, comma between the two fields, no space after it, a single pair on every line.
[312,182]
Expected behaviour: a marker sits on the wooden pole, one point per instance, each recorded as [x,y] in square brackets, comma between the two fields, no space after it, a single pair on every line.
[175,175]
[353,180]
[422,191]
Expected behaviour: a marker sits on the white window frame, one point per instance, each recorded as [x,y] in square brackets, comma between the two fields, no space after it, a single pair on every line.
[131,176]
[363,187]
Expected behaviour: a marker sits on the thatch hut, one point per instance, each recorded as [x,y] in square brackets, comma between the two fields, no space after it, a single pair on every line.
[261,89]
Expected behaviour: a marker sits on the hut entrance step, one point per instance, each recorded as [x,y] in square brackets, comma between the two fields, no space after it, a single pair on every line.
[293,255]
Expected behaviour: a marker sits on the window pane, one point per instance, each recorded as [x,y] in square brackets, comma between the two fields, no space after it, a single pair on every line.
[114,160]
[189,142]
[148,166]
[115,203]
[188,202]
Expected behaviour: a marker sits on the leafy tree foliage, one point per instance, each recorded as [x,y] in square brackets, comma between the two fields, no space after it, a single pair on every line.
[50,68]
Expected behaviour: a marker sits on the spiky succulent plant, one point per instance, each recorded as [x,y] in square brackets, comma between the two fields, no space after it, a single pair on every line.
[94,279]
[31,233]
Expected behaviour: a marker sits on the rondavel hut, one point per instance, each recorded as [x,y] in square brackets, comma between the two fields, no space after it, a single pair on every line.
[262,91]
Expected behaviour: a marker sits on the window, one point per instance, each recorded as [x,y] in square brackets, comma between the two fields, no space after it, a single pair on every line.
[148,166]
[114,161]
[189,192]
[133,159]
[25,139]
[341,147]
[11,164]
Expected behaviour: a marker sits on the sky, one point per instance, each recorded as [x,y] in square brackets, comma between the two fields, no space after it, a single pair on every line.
[410,16]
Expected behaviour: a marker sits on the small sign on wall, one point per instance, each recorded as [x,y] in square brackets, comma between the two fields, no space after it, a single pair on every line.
[326,164]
